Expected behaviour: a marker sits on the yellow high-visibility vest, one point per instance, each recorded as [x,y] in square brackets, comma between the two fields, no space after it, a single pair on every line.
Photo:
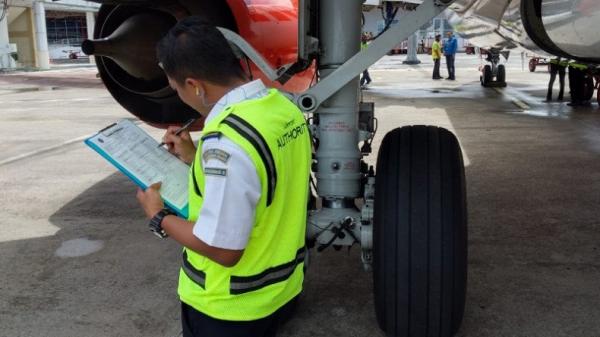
[578,66]
[274,133]
[436,50]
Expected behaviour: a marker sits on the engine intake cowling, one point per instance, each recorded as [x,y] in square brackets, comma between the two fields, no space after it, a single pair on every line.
[126,34]
[124,47]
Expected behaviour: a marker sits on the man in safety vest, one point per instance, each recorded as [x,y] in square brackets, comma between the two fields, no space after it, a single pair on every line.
[365,80]
[557,67]
[436,54]
[243,240]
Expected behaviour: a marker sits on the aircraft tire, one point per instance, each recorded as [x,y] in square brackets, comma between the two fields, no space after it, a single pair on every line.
[420,233]
[501,74]
[532,65]
[588,92]
[487,75]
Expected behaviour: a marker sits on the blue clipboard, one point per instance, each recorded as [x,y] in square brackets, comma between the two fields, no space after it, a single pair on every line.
[181,211]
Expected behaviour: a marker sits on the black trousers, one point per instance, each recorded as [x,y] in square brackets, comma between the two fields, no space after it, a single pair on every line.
[450,65]
[436,69]
[366,78]
[561,71]
[197,324]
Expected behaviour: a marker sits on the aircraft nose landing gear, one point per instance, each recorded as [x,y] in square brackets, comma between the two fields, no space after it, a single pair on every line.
[411,222]
[493,75]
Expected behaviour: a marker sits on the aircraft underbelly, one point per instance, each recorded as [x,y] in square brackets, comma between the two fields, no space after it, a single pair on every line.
[492,24]
[567,28]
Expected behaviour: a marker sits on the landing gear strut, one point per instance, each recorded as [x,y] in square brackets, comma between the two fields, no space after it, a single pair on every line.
[411,225]
[493,75]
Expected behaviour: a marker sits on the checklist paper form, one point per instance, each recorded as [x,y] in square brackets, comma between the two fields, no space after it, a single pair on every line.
[135,153]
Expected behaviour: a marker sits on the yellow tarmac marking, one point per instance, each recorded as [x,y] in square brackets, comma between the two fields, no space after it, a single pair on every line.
[521,104]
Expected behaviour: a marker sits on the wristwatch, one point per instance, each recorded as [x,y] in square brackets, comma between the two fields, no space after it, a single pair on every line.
[156,223]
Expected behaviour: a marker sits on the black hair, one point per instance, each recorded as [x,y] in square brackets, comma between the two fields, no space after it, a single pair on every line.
[194,48]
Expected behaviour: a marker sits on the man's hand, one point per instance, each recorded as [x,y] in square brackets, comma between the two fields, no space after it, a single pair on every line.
[181,146]
[150,200]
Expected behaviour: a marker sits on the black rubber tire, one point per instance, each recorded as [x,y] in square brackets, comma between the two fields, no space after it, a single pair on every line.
[486,77]
[501,77]
[420,233]
[532,65]
[589,88]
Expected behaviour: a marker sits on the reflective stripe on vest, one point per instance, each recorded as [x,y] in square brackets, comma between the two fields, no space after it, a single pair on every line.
[195,182]
[244,284]
[198,276]
[256,139]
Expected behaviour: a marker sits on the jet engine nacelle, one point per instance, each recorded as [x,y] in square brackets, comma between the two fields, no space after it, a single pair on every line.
[564,28]
[126,34]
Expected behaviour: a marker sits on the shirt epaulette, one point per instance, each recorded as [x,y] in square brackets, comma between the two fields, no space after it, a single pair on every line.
[211,135]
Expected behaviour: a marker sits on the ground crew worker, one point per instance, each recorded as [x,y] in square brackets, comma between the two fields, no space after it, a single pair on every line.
[436,54]
[248,188]
[366,78]
[557,66]
[578,79]
[450,48]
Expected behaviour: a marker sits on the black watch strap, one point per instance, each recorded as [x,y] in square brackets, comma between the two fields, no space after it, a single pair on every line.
[156,223]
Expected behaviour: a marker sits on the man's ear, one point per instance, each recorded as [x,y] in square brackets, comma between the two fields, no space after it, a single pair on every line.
[195,85]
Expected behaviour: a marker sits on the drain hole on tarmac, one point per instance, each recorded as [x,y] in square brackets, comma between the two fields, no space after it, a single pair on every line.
[78,247]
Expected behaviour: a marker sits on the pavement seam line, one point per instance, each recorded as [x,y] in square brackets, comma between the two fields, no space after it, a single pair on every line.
[44,150]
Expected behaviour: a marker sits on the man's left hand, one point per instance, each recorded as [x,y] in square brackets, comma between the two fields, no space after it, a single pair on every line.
[150,200]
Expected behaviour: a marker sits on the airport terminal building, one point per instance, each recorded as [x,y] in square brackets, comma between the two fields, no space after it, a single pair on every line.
[34,34]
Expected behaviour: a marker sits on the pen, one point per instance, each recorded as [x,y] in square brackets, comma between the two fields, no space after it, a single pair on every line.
[181,129]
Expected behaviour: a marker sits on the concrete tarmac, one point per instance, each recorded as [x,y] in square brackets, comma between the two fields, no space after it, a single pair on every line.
[77,259]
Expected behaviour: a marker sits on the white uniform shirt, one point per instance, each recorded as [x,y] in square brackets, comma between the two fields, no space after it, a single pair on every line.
[232,187]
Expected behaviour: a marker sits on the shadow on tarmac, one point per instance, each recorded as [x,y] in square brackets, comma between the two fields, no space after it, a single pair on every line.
[134,264]
[127,288]
[533,195]
[534,245]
